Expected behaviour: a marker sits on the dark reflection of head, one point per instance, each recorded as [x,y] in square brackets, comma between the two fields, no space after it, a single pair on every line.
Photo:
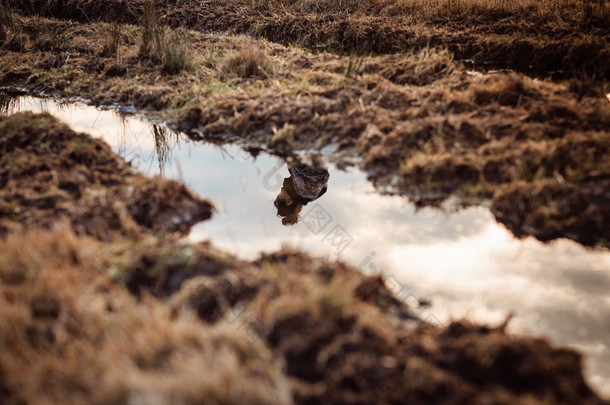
[305,184]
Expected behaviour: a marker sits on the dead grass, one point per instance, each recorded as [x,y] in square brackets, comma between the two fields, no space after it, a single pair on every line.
[565,38]
[161,44]
[77,178]
[112,41]
[440,9]
[150,320]
[418,121]
[593,10]
[284,329]
[341,337]
[249,61]
[93,343]
[419,68]
[153,33]
[177,55]
[5,21]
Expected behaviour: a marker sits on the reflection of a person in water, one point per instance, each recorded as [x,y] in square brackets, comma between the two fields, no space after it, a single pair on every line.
[305,184]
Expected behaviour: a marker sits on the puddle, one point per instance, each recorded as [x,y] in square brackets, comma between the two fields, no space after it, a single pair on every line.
[464,262]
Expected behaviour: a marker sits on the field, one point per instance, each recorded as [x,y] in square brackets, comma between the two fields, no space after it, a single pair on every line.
[500,104]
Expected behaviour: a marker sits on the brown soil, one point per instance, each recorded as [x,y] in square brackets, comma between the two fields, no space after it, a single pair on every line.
[49,174]
[557,38]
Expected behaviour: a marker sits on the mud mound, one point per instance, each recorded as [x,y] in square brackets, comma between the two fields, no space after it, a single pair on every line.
[552,209]
[345,339]
[50,173]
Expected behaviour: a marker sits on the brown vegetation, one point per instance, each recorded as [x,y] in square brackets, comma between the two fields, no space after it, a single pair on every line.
[250,60]
[69,335]
[417,122]
[565,38]
[205,327]
[172,49]
[50,174]
[99,304]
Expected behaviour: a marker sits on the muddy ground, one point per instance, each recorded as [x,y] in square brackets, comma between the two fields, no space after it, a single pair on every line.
[419,123]
[562,38]
[96,308]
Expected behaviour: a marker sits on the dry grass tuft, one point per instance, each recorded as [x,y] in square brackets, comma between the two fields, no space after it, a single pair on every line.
[112,41]
[249,61]
[153,32]
[5,21]
[177,55]
[172,49]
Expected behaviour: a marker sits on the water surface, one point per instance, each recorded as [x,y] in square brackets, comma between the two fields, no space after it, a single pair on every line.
[464,262]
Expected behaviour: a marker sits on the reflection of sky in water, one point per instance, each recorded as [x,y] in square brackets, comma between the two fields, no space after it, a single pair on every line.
[464,262]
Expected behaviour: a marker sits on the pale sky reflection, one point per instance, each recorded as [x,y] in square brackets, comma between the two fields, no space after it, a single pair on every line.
[465,262]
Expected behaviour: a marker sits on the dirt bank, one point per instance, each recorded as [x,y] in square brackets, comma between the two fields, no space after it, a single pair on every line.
[50,174]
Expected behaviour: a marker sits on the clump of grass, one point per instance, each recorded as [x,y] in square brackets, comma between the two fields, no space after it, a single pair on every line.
[249,61]
[177,55]
[153,32]
[592,9]
[6,21]
[112,40]
[353,68]
[171,48]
